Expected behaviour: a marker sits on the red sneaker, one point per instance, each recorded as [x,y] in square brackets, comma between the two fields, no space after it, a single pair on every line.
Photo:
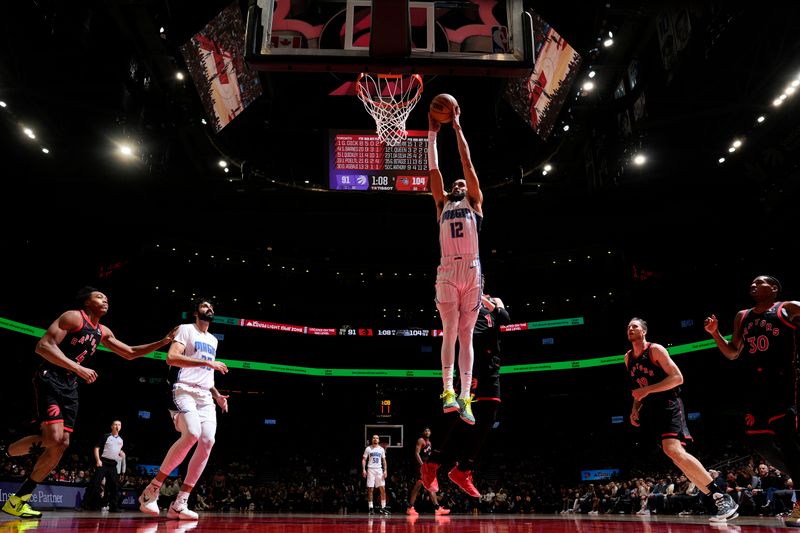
[429,480]
[411,511]
[464,481]
[441,511]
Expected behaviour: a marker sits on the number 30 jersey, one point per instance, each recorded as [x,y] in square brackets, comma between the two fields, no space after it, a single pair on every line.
[770,351]
[459,225]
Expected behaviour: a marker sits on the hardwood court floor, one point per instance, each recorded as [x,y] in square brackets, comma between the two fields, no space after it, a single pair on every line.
[135,522]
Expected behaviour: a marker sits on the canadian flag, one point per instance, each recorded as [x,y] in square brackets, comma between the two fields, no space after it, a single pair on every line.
[286,41]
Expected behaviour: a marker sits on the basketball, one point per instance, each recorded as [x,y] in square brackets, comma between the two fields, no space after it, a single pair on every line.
[442,108]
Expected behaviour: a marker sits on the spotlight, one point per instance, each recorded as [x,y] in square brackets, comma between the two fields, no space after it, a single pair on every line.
[761,119]
[588,86]
[223,163]
[125,150]
[179,75]
[3,104]
[639,160]
[592,74]
[566,127]
[732,149]
[737,143]
[608,42]
[548,167]
[777,102]
[45,151]
[721,160]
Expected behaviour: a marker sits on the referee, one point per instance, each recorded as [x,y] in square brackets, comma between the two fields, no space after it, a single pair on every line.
[107,452]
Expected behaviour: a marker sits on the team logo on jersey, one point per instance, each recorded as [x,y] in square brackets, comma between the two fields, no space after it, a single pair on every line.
[53,410]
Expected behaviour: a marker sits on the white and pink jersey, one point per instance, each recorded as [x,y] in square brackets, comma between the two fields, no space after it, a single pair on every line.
[459,225]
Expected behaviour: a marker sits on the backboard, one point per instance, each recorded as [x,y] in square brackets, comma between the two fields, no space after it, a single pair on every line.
[391,435]
[475,38]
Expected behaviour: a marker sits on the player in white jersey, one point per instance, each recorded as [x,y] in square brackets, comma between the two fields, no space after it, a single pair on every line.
[192,360]
[373,469]
[458,278]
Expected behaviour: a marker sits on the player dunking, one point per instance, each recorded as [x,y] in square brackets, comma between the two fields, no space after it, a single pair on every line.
[458,278]
[422,453]
[65,346]
[486,390]
[655,382]
[192,360]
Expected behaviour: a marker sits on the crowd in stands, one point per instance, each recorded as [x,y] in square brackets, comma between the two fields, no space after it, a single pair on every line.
[301,484]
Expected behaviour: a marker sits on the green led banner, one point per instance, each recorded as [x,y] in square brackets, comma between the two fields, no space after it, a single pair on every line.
[369,332]
[391,373]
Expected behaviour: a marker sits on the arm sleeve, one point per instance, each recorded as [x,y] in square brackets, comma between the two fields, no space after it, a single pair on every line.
[503,317]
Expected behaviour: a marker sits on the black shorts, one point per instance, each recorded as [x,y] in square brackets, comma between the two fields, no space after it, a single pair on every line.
[486,376]
[56,402]
[665,419]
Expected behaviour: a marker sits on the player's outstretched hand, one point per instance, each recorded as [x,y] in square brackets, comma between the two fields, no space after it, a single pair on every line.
[711,324]
[222,401]
[171,335]
[456,117]
[433,124]
[219,366]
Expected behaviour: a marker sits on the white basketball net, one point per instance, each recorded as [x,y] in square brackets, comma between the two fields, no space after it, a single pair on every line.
[389,99]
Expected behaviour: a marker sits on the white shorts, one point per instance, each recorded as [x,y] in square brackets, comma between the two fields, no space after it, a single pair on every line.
[189,399]
[458,279]
[375,478]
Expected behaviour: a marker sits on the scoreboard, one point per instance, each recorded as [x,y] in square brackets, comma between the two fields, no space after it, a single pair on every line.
[359,161]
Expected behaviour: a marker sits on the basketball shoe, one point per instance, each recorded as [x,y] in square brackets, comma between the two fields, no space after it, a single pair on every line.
[449,403]
[16,506]
[148,500]
[793,518]
[465,410]
[726,508]
[180,509]
[464,481]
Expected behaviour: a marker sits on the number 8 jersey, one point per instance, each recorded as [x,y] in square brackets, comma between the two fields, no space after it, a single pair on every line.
[459,225]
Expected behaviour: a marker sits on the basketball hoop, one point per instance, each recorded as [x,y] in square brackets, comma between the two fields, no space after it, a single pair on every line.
[389,98]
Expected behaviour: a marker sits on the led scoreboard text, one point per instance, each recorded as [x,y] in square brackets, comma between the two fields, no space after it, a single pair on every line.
[360,162]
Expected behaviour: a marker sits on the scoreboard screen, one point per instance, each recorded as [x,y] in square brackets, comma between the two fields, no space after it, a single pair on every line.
[359,161]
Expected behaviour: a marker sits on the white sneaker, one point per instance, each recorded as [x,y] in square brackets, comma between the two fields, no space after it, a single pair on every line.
[180,510]
[148,501]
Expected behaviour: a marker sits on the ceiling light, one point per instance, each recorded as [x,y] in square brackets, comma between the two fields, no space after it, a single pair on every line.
[29,133]
[721,160]
[3,104]
[761,119]
[737,143]
[777,102]
[161,29]
[126,150]
[223,163]
[548,167]
[795,83]
[566,127]
[179,75]
[639,159]
[608,42]
[782,97]
[732,149]
[544,173]
[592,74]
[226,170]
[45,151]
[588,86]
[203,121]
[789,90]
